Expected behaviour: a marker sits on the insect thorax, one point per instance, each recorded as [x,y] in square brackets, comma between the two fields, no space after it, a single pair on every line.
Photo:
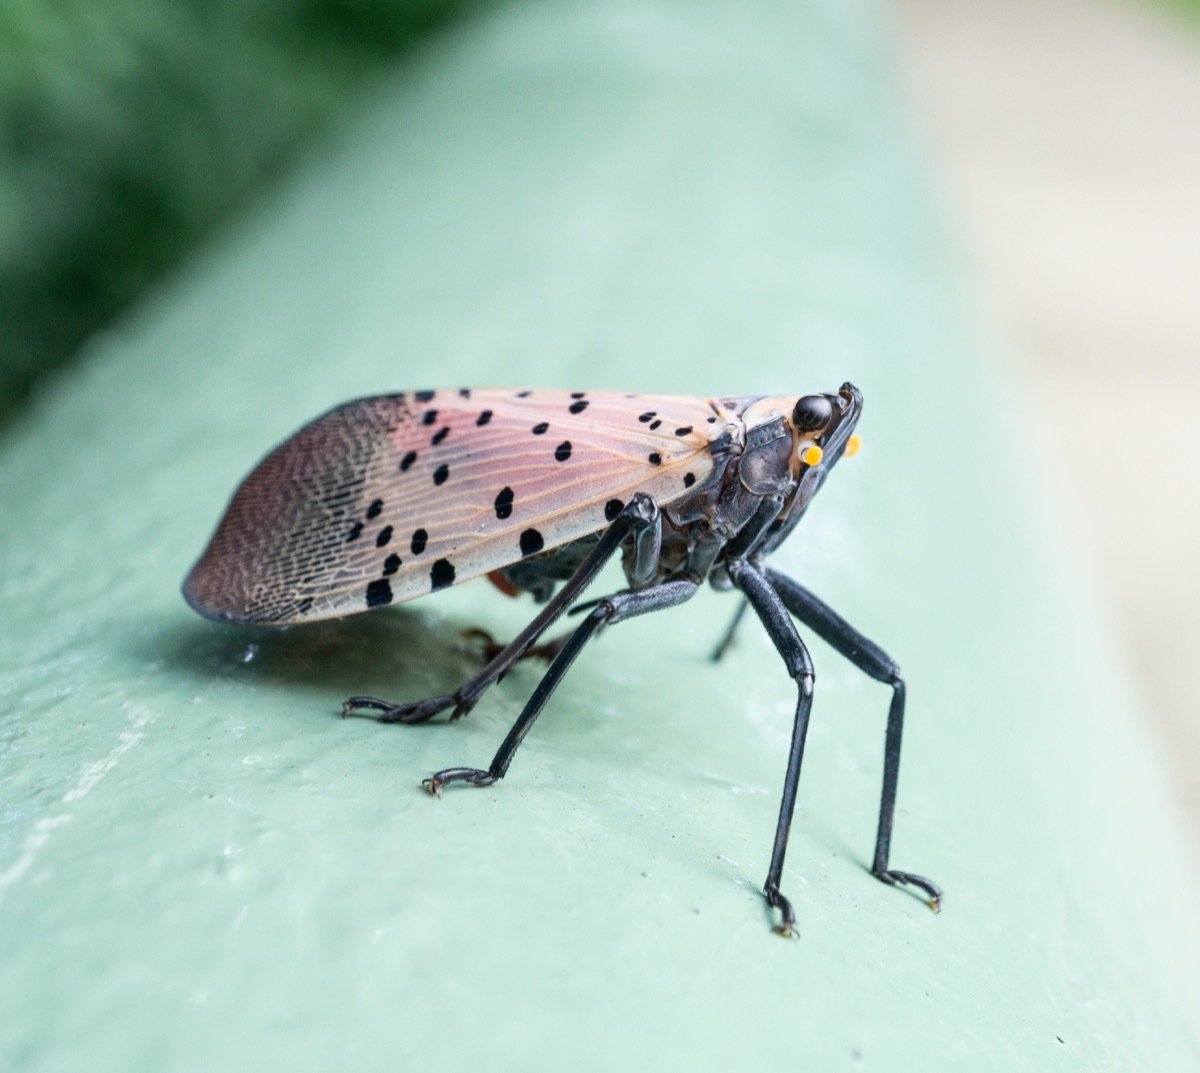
[696,527]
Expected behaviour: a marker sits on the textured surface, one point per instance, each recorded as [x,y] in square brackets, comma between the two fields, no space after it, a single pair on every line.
[202,867]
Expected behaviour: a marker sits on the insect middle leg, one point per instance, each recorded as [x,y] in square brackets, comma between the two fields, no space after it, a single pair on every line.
[774,617]
[607,612]
[639,517]
[869,658]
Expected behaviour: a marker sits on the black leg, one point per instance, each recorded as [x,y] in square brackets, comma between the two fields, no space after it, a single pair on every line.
[774,616]
[869,658]
[749,536]
[740,546]
[640,514]
[730,631]
[608,611]
[647,550]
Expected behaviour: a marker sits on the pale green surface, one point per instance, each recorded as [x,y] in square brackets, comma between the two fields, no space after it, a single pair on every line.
[202,868]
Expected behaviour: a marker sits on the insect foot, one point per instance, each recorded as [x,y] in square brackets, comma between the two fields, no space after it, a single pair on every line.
[415,712]
[897,879]
[490,648]
[787,924]
[470,775]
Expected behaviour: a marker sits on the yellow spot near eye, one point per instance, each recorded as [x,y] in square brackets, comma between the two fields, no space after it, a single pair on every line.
[811,455]
[852,446]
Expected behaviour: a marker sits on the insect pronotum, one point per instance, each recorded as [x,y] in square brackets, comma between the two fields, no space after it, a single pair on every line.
[386,499]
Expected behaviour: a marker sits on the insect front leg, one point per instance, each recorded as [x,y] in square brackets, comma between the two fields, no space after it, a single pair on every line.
[607,612]
[640,514]
[741,545]
[774,617]
[869,658]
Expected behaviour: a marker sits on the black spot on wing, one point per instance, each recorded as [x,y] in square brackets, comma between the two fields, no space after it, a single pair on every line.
[686,430]
[578,406]
[355,532]
[424,396]
[441,473]
[407,460]
[532,542]
[375,509]
[391,564]
[430,417]
[504,503]
[540,428]
[379,593]
[384,537]
[721,446]
[484,417]
[655,458]
[419,539]
[563,451]
[612,508]
[441,574]
[440,435]
[647,416]
[689,479]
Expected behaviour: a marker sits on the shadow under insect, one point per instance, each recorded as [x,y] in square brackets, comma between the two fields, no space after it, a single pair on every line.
[401,652]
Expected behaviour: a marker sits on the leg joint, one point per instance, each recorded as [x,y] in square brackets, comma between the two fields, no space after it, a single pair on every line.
[735,568]
[641,510]
[604,610]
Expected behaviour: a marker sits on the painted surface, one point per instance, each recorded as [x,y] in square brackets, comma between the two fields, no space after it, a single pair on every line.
[202,867]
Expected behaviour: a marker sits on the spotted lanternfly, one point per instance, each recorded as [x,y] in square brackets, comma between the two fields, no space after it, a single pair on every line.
[386,499]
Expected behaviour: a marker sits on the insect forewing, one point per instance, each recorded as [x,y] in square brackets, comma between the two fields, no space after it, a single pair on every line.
[388,498]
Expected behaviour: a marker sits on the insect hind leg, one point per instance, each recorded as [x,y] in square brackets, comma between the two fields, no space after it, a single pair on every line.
[641,513]
[607,612]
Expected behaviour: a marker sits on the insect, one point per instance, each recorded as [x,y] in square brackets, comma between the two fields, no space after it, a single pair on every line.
[385,499]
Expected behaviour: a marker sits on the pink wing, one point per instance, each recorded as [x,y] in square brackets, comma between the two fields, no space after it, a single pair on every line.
[388,498]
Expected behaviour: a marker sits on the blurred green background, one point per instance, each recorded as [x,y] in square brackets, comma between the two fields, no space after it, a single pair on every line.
[130,130]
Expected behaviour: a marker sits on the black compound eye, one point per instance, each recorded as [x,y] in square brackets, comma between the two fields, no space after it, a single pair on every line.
[812,412]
